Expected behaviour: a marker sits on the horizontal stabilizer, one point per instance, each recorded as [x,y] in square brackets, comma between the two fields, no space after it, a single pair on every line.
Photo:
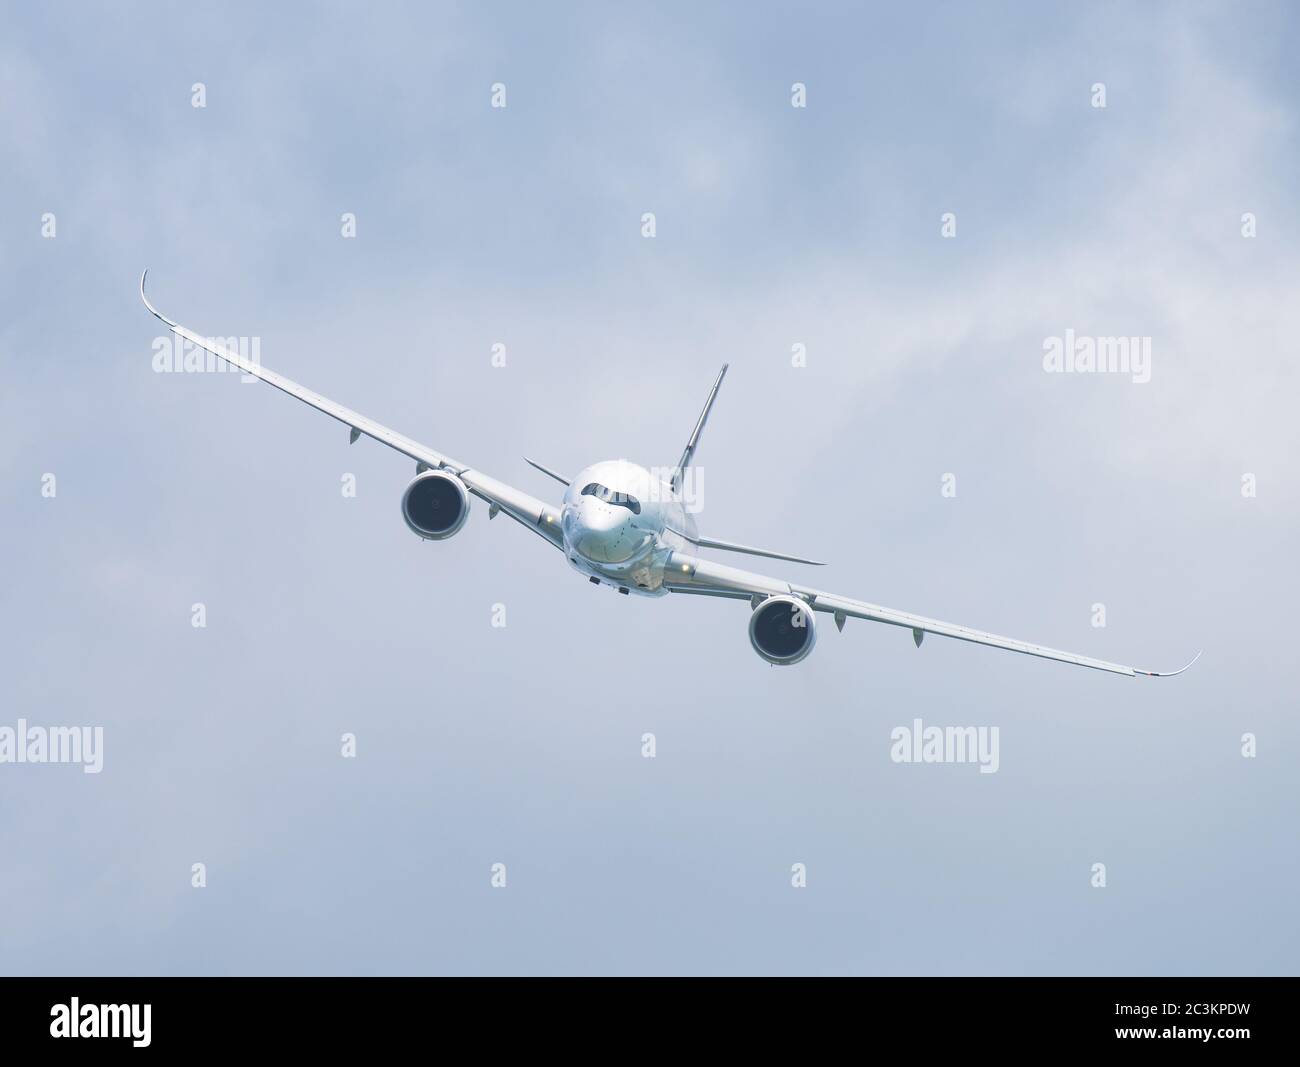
[731,546]
[547,471]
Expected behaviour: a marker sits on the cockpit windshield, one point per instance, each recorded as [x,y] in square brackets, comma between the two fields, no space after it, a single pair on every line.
[609,496]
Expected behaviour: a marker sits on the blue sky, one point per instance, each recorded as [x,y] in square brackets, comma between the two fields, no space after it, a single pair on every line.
[776,226]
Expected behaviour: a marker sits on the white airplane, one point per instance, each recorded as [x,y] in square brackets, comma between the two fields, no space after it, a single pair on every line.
[621,525]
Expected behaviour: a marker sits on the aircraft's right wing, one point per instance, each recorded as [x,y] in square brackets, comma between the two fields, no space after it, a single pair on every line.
[690,574]
[527,510]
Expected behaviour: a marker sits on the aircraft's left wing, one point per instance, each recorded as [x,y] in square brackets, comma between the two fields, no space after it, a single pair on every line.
[690,574]
[538,516]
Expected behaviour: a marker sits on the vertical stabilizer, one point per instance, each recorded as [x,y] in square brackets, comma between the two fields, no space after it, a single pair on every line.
[688,454]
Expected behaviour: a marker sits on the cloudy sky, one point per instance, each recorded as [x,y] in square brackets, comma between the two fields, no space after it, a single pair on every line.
[775,226]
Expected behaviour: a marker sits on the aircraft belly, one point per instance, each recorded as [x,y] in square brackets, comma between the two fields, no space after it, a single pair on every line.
[644,575]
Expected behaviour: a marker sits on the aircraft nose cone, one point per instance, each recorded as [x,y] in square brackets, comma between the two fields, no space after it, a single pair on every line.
[602,535]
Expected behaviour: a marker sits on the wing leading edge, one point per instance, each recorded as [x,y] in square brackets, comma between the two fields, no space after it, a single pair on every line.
[690,574]
[537,515]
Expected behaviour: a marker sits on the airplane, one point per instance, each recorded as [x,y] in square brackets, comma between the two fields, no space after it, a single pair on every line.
[623,526]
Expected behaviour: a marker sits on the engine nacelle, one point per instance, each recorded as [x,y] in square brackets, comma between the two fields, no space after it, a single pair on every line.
[435,505]
[782,629]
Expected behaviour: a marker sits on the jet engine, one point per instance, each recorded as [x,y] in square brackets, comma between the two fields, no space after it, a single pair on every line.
[435,505]
[782,629]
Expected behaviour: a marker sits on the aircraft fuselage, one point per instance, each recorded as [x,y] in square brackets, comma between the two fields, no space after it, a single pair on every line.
[620,525]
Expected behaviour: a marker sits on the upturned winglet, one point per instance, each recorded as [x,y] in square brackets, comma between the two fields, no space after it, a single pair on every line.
[153,310]
[1168,674]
